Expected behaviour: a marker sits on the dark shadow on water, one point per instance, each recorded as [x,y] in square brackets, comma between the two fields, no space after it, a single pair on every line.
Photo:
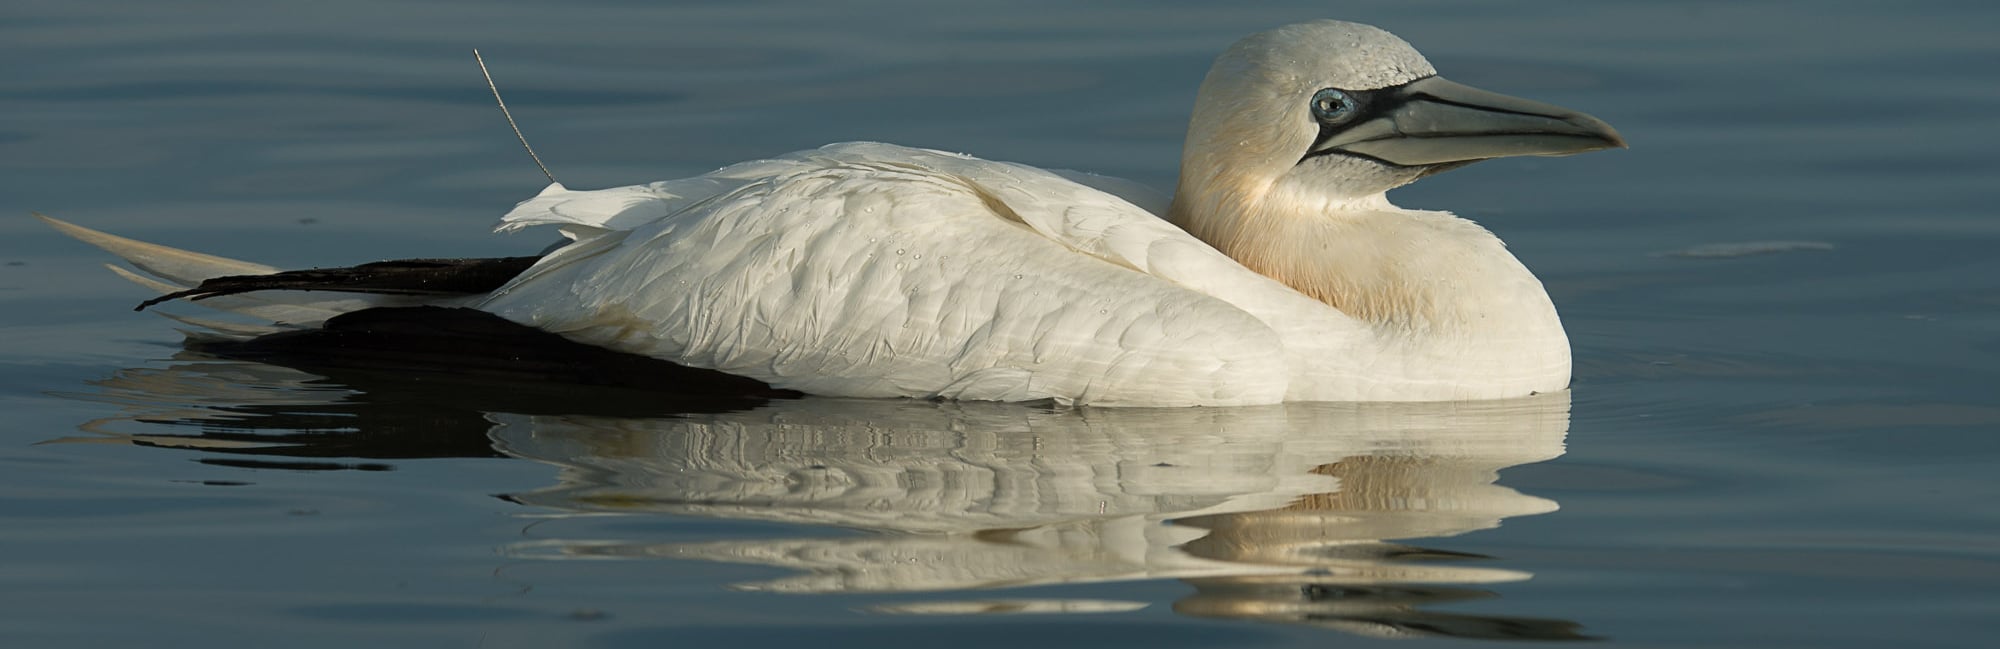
[1318,515]
[380,384]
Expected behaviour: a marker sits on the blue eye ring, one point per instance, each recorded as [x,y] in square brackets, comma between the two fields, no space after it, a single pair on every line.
[1334,106]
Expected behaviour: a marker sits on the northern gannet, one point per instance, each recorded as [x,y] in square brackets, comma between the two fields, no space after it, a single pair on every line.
[1280,271]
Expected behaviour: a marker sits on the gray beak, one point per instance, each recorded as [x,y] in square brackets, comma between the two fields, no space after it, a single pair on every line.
[1433,121]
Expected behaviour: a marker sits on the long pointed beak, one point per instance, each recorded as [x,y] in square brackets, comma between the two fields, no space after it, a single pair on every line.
[1433,121]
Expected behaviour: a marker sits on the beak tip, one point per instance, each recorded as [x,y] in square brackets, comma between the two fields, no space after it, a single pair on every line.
[1601,130]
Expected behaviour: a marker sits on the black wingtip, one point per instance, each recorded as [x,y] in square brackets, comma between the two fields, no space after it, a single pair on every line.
[393,277]
[166,298]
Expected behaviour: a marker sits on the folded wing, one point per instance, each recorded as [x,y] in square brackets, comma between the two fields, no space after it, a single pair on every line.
[873,270]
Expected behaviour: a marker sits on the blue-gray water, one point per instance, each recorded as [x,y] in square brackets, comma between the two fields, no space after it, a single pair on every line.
[1788,449]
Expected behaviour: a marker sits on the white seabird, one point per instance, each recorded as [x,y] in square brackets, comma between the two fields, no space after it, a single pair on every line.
[1280,272]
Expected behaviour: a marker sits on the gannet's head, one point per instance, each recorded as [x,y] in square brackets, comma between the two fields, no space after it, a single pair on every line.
[1342,111]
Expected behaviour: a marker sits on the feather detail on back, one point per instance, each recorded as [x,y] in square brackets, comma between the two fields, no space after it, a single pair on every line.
[868,269]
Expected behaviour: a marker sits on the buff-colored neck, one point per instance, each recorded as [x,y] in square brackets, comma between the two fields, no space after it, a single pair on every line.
[1402,271]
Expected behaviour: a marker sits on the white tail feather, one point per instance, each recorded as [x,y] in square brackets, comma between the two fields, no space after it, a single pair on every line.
[173,269]
[284,307]
[224,327]
[171,264]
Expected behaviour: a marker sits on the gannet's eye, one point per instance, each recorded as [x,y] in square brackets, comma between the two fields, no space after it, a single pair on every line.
[1333,106]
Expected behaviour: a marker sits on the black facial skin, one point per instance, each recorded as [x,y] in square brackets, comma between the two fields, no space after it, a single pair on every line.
[1431,124]
[1365,105]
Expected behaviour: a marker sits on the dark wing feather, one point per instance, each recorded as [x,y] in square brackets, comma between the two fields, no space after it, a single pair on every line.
[394,277]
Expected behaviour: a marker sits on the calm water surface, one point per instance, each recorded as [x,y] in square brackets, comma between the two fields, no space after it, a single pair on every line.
[1784,301]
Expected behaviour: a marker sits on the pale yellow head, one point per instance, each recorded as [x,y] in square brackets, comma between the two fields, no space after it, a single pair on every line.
[1298,132]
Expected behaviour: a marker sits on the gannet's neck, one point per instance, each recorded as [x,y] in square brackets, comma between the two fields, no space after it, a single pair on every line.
[1411,274]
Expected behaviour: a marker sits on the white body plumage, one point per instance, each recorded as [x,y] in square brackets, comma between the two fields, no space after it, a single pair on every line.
[875,270]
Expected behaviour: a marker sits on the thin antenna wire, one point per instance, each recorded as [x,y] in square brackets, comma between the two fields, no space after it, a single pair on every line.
[509,115]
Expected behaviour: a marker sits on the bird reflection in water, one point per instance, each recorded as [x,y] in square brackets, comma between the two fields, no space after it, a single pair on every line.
[1281,513]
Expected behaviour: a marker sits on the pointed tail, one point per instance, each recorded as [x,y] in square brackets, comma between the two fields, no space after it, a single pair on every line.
[290,299]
